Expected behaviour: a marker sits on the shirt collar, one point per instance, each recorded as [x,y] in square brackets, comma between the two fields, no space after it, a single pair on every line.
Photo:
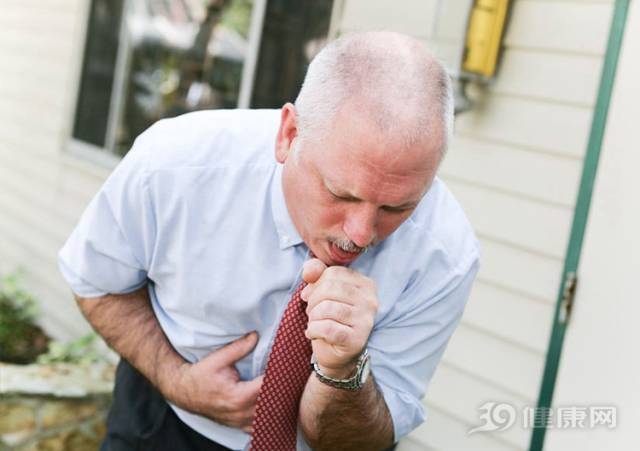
[288,235]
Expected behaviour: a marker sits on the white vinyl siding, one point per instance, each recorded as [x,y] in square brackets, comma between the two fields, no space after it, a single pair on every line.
[600,365]
[515,166]
[42,189]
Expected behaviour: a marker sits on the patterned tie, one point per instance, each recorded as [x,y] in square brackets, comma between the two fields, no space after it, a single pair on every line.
[276,419]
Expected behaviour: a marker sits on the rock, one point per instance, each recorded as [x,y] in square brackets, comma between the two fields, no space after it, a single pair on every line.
[74,440]
[16,417]
[100,429]
[54,407]
[56,413]
[14,438]
[62,380]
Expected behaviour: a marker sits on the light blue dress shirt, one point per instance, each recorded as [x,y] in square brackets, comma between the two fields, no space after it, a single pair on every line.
[196,209]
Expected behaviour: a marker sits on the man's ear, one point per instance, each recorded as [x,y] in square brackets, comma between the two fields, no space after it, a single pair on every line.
[287,132]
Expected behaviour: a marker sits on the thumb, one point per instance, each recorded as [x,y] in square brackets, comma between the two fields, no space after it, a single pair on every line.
[312,270]
[236,350]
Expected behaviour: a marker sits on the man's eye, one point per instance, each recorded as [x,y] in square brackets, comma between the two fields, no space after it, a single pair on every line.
[342,198]
[395,210]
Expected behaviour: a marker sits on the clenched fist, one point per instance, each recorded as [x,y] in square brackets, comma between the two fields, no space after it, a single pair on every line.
[341,305]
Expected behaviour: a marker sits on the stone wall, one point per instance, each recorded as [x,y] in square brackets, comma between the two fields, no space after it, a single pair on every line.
[54,407]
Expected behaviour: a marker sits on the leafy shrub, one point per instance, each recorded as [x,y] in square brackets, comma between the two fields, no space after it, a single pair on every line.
[21,339]
[82,350]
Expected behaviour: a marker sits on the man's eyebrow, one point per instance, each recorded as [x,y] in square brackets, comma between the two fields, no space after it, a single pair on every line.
[339,192]
[405,206]
[346,195]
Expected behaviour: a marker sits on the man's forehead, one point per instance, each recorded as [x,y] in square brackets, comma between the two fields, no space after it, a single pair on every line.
[382,157]
[395,145]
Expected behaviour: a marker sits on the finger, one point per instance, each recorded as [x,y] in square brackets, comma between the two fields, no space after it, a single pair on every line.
[312,270]
[240,419]
[236,350]
[336,311]
[329,274]
[330,331]
[248,390]
[334,290]
[244,418]
[248,424]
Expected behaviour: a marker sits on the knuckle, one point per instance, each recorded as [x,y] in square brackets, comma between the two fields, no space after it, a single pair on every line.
[331,310]
[331,271]
[319,311]
[330,330]
[350,290]
[339,272]
[340,335]
[343,313]
[313,313]
[332,285]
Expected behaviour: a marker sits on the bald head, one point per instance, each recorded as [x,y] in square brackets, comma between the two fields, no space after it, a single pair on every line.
[389,78]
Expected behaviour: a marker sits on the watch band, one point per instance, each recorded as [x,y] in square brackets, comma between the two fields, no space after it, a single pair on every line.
[353,383]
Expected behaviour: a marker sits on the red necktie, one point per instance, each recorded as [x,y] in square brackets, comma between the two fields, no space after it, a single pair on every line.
[276,419]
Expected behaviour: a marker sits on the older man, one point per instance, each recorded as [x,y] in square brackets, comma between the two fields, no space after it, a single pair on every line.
[217,273]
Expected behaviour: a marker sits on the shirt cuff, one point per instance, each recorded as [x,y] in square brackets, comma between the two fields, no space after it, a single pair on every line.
[83,288]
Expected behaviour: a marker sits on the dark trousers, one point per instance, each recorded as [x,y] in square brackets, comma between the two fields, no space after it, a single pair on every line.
[140,419]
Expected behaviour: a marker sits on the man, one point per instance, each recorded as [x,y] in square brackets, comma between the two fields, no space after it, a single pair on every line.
[187,258]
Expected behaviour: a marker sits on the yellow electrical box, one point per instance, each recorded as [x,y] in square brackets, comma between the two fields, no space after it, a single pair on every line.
[484,35]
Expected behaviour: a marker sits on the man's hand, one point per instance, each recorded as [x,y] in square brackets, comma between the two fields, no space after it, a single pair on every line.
[212,386]
[342,305]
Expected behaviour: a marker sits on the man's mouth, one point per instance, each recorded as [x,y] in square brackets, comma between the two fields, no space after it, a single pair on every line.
[344,253]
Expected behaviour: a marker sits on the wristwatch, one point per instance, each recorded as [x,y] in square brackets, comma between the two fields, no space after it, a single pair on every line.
[355,382]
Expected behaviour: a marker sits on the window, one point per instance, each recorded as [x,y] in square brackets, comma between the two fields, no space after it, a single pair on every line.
[294,31]
[150,59]
[97,74]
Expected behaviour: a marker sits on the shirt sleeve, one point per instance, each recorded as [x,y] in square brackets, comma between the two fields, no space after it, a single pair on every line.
[406,348]
[110,250]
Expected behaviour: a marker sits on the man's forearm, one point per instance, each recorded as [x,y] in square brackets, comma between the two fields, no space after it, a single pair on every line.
[334,419]
[129,326]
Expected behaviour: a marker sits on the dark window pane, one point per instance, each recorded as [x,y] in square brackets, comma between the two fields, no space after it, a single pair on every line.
[187,55]
[97,73]
[294,31]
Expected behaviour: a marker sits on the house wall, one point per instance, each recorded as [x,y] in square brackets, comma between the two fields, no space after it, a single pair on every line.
[43,190]
[514,165]
[600,365]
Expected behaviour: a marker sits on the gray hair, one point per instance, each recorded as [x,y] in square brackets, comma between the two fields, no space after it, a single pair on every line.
[392,78]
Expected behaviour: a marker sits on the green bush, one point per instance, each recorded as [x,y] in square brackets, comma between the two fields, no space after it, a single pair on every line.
[82,350]
[21,339]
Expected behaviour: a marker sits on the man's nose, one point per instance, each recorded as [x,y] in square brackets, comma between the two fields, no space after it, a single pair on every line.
[360,224]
